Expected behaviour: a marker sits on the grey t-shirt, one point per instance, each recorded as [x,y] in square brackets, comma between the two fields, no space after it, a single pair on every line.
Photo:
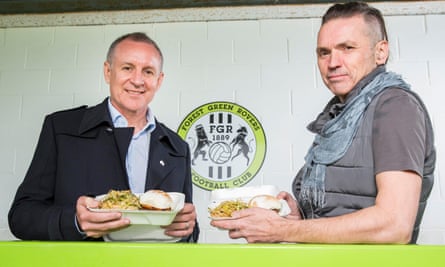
[401,140]
[399,135]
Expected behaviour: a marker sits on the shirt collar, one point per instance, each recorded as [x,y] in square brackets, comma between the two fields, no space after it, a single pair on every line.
[120,121]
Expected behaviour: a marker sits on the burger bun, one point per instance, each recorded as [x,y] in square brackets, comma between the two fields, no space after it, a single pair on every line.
[156,200]
[266,202]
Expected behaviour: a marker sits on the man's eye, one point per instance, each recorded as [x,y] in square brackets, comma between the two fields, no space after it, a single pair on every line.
[126,68]
[323,53]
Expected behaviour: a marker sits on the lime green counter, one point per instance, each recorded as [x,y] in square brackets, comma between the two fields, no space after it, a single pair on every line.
[95,254]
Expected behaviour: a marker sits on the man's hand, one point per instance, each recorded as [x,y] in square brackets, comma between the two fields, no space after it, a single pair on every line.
[97,224]
[184,222]
[255,225]
[293,205]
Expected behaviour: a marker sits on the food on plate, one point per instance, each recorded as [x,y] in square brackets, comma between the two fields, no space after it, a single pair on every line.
[120,200]
[126,200]
[156,200]
[266,202]
[226,208]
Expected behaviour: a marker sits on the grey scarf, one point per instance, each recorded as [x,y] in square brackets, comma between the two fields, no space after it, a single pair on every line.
[336,135]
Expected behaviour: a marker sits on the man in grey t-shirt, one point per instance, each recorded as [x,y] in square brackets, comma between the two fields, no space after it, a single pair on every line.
[369,171]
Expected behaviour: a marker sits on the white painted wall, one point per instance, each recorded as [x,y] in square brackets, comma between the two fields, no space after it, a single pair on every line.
[261,58]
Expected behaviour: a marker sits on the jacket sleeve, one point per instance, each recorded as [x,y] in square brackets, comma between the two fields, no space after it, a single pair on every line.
[33,214]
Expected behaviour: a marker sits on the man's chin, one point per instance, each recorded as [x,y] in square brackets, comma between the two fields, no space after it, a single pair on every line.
[340,91]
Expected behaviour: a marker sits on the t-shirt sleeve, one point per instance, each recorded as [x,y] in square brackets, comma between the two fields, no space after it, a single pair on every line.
[399,133]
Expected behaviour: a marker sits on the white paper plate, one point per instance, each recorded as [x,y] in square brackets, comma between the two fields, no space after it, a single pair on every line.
[152,217]
[140,233]
[146,224]
[245,194]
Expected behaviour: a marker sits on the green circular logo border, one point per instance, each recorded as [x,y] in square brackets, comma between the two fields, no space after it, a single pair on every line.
[254,124]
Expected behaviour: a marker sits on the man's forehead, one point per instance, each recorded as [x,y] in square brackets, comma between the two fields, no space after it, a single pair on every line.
[125,44]
[133,48]
[342,30]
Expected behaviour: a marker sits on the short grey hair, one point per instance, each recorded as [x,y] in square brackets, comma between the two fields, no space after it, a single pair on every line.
[136,37]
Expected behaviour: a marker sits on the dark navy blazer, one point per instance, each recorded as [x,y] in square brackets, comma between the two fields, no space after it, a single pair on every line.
[79,152]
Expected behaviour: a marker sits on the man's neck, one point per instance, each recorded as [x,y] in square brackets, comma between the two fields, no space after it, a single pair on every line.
[138,121]
[135,119]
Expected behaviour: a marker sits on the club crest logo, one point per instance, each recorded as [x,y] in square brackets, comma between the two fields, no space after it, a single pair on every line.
[227,144]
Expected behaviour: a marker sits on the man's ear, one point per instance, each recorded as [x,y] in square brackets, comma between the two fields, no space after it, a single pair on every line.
[381,52]
[107,71]
[160,80]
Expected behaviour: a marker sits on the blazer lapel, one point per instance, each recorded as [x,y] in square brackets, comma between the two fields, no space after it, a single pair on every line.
[99,115]
[162,158]
[160,165]
[93,118]
[123,139]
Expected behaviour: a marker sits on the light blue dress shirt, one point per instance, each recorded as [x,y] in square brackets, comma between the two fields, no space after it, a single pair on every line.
[137,156]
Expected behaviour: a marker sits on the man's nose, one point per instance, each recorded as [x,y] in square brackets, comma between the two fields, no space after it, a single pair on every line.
[334,59]
[137,79]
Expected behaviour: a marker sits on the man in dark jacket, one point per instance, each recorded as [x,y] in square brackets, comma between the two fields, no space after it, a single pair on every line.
[118,144]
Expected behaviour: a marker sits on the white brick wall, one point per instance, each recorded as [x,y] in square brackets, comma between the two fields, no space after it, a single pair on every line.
[265,64]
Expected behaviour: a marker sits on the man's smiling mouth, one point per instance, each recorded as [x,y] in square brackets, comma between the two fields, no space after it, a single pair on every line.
[134,92]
